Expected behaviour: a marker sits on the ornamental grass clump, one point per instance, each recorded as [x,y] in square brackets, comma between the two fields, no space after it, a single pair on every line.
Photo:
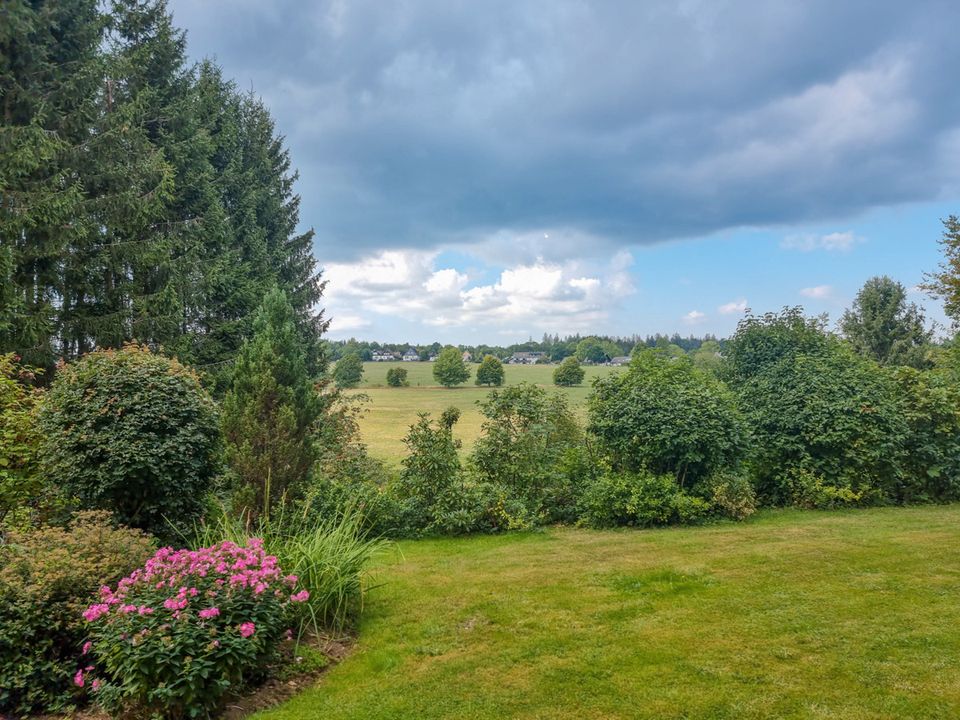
[178,633]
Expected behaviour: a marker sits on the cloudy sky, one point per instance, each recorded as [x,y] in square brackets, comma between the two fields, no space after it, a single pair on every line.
[489,171]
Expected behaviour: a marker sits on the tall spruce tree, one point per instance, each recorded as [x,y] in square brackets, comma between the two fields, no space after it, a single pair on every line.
[50,72]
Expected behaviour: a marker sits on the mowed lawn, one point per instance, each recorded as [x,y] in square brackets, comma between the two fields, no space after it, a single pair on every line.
[391,411]
[791,615]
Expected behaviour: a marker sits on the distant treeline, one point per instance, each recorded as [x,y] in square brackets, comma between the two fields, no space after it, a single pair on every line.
[592,348]
[142,197]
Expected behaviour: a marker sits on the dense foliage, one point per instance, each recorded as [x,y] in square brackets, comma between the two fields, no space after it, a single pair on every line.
[348,372]
[46,579]
[131,432]
[569,373]
[665,416]
[270,411]
[490,372]
[397,377]
[171,638]
[21,486]
[144,197]
[884,327]
[449,369]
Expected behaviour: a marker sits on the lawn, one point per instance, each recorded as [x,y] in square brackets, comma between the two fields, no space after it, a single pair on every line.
[391,411]
[792,615]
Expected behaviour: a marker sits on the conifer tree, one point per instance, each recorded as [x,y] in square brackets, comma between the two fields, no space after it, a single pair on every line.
[270,412]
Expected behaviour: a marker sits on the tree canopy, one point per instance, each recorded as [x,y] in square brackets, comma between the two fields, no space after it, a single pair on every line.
[883,326]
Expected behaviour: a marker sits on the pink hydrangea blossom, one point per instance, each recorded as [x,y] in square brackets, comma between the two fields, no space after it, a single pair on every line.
[86,647]
[301,596]
[208,613]
[247,629]
[78,679]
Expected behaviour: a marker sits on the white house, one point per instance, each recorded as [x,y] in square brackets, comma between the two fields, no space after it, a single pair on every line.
[527,358]
[383,356]
[410,355]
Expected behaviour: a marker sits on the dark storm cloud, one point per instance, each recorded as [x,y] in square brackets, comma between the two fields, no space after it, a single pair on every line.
[419,123]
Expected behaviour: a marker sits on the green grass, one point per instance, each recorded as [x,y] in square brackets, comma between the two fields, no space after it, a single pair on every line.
[792,615]
[391,411]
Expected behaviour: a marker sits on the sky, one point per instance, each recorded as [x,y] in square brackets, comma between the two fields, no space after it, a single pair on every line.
[491,171]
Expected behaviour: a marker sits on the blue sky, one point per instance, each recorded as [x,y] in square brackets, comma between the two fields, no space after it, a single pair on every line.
[492,171]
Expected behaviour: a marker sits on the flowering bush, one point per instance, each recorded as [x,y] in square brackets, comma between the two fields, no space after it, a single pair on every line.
[46,577]
[177,633]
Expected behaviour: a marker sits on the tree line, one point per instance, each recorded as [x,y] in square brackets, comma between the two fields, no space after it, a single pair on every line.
[142,196]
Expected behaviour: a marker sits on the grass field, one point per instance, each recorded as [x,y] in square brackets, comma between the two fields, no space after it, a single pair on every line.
[793,615]
[391,411]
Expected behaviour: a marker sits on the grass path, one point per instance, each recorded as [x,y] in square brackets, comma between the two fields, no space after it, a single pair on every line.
[391,411]
[793,615]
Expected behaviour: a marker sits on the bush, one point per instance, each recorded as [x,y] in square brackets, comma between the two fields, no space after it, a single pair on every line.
[812,492]
[176,634]
[348,372]
[731,495]
[490,372]
[397,377]
[47,577]
[134,433]
[569,373]
[930,467]
[639,499]
[449,369]
[524,435]
[271,410]
[20,439]
[666,416]
[833,415]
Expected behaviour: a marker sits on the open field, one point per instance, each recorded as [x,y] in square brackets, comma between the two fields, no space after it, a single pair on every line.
[391,411]
[792,615]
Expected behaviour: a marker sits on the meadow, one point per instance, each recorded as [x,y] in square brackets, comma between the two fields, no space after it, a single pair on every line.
[390,411]
[791,615]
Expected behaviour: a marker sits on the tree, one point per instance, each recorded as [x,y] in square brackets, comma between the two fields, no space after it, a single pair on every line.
[707,356]
[664,415]
[270,411]
[945,282]
[490,371]
[762,341]
[449,369]
[134,433]
[592,350]
[397,377]
[882,326]
[569,373]
[348,372]
[524,434]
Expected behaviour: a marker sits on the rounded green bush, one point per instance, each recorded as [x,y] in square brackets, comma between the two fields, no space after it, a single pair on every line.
[134,433]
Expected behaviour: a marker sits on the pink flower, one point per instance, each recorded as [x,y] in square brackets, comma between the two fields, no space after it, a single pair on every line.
[78,678]
[247,629]
[209,613]
[144,610]
[301,596]
[86,647]
[126,609]
[95,611]
[95,685]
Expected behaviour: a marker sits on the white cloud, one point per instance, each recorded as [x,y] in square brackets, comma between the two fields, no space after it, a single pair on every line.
[693,317]
[406,284]
[832,242]
[733,307]
[818,292]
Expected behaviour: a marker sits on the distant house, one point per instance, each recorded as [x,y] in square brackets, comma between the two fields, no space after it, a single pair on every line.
[432,358]
[383,356]
[527,358]
[466,356]
[410,355]
[619,360]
